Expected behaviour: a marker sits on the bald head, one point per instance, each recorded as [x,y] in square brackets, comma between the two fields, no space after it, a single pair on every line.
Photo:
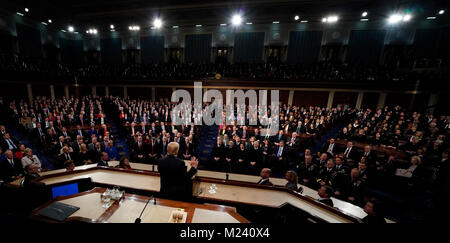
[172,148]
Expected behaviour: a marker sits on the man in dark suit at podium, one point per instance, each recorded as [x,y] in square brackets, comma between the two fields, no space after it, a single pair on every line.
[176,181]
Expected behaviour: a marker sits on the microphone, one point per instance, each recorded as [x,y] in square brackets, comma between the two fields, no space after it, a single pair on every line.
[138,220]
[153,167]
[227,176]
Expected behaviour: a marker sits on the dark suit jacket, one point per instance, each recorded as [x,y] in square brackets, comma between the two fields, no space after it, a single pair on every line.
[102,163]
[8,172]
[62,159]
[176,181]
[266,182]
[326,201]
[334,150]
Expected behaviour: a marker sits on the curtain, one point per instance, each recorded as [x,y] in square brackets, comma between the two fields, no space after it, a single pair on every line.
[425,43]
[29,41]
[152,49]
[248,47]
[365,45]
[304,46]
[111,50]
[71,51]
[198,48]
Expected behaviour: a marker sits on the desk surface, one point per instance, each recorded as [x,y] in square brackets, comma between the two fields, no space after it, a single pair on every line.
[128,208]
[139,179]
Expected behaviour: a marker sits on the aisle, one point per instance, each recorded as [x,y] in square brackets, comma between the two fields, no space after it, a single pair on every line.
[206,144]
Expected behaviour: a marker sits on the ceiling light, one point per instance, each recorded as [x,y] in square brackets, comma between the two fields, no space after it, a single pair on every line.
[364,14]
[395,18]
[198,25]
[50,21]
[364,20]
[275,22]
[21,14]
[157,23]
[223,24]
[63,31]
[27,10]
[175,27]
[70,29]
[296,17]
[406,18]
[111,26]
[304,21]
[249,23]
[44,23]
[332,19]
[442,11]
[431,17]
[236,20]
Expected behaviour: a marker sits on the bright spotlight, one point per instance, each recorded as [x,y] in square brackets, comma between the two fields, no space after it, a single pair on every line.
[333,19]
[157,23]
[296,17]
[330,19]
[236,20]
[27,10]
[442,11]
[395,18]
[111,26]
[406,18]
[364,14]
[50,21]
[70,29]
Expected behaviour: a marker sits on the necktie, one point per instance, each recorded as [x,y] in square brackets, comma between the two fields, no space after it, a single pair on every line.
[347,152]
[11,144]
[329,148]
[187,148]
[279,152]
[164,148]
[11,162]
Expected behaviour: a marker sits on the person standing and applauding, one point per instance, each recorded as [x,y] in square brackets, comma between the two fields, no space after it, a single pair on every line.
[176,180]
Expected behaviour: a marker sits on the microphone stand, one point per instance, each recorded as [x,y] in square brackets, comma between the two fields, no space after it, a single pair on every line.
[138,220]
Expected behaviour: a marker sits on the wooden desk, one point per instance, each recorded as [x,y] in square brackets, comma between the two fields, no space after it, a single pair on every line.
[228,192]
[152,184]
[128,208]
[377,149]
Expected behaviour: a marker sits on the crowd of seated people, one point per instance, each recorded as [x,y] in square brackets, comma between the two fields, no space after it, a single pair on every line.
[355,160]
[350,170]
[65,129]
[15,157]
[149,129]
[244,149]
[17,67]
